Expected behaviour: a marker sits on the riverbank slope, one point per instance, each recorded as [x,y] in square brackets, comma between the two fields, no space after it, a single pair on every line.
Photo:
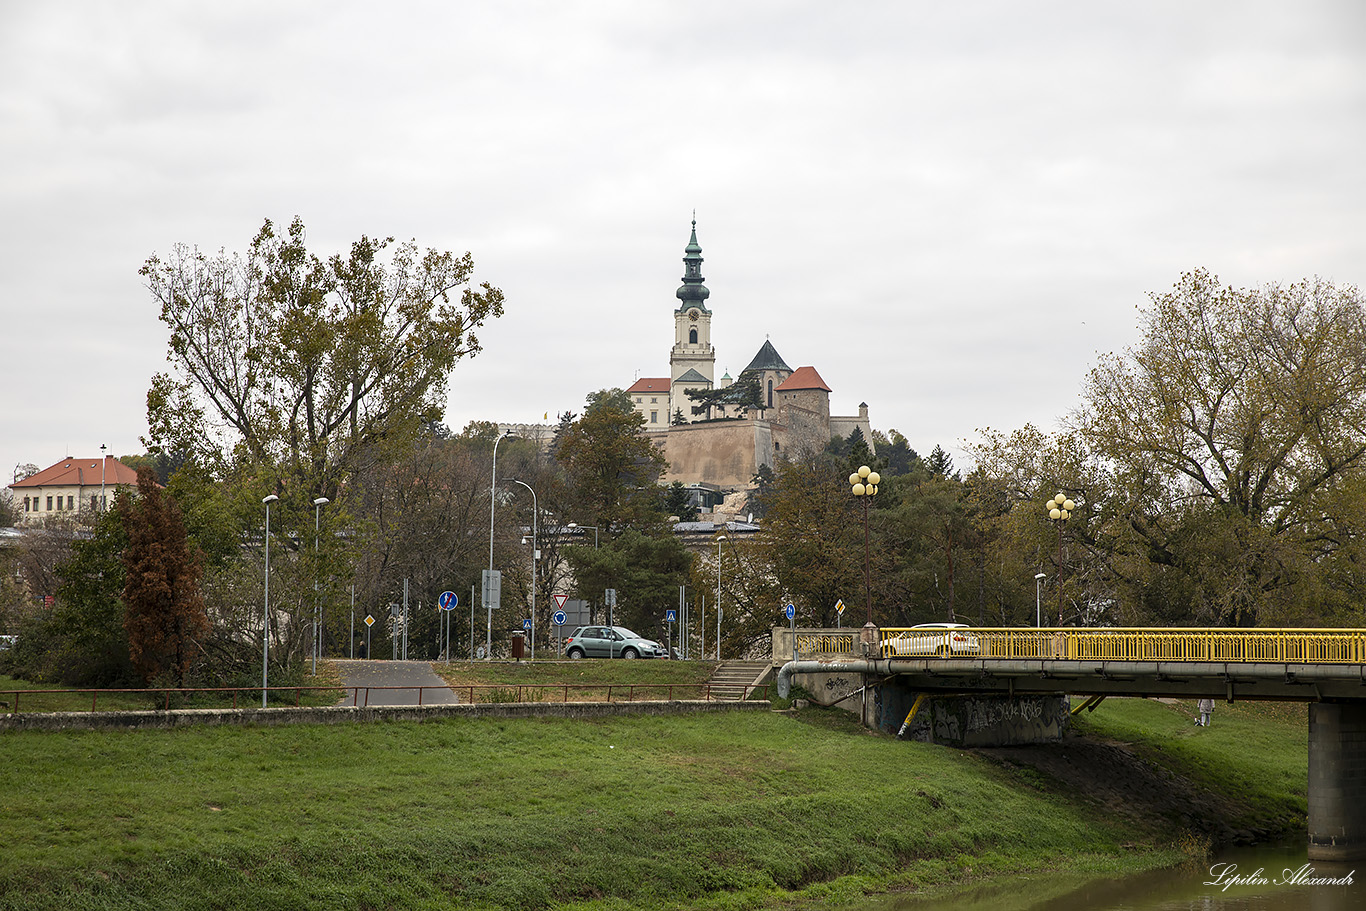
[741,810]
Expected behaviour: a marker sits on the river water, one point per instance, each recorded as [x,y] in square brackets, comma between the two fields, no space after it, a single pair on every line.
[1274,886]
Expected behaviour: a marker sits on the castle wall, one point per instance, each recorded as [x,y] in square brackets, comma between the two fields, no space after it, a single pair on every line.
[724,453]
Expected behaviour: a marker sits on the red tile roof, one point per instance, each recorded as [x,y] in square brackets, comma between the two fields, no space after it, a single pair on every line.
[803,378]
[72,472]
[651,384]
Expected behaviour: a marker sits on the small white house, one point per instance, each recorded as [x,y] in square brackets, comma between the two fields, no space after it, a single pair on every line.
[71,486]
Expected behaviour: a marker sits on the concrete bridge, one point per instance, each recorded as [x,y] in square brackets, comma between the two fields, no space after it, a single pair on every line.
[997,686]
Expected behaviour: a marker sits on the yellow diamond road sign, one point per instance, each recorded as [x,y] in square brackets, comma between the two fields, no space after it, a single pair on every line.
[839,606]
[369,620]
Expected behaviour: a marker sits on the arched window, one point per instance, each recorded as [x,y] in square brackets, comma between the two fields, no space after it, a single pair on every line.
[692,336]
[770,393]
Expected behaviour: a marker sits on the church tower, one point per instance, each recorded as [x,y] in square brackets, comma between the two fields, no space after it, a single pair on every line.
[692,361]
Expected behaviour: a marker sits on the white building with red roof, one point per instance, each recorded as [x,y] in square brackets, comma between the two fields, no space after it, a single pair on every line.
[70,487]
[650,395]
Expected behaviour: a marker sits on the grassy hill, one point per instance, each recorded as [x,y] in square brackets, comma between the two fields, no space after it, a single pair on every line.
[724,811]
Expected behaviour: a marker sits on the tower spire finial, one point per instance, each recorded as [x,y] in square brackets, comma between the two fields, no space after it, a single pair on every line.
[692,292]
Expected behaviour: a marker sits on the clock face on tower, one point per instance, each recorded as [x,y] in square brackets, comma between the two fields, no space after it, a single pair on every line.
[693,314]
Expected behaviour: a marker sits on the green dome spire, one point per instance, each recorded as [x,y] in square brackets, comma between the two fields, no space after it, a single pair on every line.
[692,292]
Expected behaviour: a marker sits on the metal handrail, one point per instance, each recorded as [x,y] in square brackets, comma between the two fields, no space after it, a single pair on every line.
[360,695]
[1303,646]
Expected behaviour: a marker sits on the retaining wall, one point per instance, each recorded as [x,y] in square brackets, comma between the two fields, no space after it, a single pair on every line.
[77,721]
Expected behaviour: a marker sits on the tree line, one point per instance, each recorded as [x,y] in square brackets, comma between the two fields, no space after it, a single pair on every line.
[1216,470]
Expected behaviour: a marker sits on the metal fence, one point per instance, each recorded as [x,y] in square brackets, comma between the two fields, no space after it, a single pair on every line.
[1311,646]
[165,699]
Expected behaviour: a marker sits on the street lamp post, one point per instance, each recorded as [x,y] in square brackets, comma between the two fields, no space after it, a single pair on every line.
[595,531]
[1059,510]
[104,458]
[863,483]
[1038,610]
[719,538]
[493,499]
[535,555]
[265,617]
[318,505]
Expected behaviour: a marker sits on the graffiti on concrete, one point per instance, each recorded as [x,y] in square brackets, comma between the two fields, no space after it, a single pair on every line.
[983,720]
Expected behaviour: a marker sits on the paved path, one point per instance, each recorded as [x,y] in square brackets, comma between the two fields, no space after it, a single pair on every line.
[408,674]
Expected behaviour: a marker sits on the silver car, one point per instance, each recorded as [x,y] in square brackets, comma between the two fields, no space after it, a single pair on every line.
[941,639]
[610,642]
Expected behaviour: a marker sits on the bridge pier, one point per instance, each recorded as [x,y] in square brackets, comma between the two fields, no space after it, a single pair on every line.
[1337,781]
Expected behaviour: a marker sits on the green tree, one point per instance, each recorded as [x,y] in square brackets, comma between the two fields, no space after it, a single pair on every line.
[1242,414]
[677,502]
[739,398]
[80,640]
[611,465]
[645,571]
[303,366]
[813,536]
[164,613]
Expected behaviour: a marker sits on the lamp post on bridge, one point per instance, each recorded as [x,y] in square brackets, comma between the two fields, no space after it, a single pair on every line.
[1059,511]
[863,483]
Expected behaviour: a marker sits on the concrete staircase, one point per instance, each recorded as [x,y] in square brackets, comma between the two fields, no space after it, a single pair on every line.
[733,680]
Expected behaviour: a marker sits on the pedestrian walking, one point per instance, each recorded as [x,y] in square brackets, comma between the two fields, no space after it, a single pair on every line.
[1206,708]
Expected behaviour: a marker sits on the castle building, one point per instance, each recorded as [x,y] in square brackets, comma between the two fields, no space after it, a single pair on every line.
[724,446]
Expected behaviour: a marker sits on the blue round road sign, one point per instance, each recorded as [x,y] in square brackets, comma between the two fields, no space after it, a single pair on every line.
[791,612]
[559,618]
[447,601]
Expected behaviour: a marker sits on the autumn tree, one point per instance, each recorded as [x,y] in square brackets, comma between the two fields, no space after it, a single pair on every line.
[163,611]
[1234,430]
[305,367]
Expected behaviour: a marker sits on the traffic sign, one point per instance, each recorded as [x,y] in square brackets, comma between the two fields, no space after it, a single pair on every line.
[671,616]
[526,623]
[447,601]
[559,602]
[559,616]
[493,588]
[839,606]
[791,611]
[369,620]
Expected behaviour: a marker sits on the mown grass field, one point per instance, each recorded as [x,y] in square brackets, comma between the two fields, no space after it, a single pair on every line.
[740,810]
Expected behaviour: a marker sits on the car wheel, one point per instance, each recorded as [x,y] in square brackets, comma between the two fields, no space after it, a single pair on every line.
[630,653]
[942,651]
[576,653]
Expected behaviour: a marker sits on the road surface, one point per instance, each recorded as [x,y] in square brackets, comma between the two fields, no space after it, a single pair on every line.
[408,675]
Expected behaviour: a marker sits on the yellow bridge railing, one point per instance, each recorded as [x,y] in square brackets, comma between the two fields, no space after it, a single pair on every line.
[1319,646]
[824,643]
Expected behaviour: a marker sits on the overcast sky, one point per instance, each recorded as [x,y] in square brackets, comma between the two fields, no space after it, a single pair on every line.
[948,209]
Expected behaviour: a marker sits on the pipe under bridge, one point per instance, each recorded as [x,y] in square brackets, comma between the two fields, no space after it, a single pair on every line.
[1325,668]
